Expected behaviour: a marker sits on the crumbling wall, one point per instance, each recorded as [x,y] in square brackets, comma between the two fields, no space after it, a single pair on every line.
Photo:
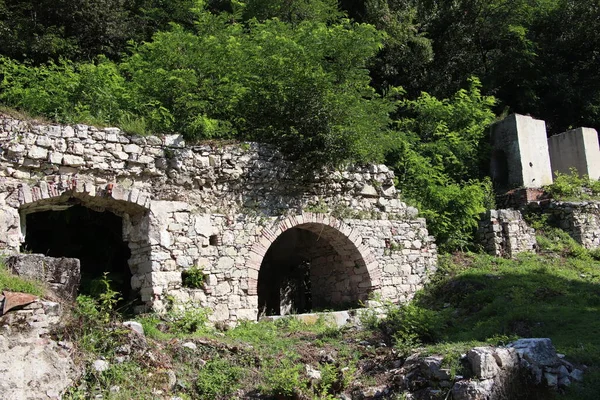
[504,233]
[581,220]
[218,207]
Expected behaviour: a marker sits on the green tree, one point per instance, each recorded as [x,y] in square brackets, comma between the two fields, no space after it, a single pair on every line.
[437,161]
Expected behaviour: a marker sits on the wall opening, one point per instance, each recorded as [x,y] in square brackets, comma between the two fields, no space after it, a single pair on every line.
[311,267]
[94,237]
[499,169]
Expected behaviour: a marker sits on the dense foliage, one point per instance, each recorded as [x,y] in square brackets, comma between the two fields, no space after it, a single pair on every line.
[324,82]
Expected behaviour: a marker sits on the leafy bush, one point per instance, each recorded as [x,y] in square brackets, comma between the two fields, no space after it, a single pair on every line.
[410,324]
[284,377]
[189,320]
[573,187]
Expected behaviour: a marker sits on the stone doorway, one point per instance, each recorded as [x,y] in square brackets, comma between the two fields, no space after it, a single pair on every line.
[93,237]
[105,234]
[311,267]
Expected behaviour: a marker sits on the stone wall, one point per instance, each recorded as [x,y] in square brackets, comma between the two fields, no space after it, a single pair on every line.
[581,220]
[219,207]
[504,233]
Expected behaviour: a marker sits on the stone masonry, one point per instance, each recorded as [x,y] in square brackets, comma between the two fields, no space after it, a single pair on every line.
[581,220]
[504,233]
[218,207]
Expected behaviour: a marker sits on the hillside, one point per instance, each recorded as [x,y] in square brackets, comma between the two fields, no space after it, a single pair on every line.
[473,300]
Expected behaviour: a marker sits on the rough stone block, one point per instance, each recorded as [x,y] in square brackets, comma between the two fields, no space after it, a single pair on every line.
[61,274]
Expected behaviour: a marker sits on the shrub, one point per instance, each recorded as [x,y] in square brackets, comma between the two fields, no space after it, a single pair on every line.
[193,278]
[284,378]
[190,320]
[411,325]
[572,186]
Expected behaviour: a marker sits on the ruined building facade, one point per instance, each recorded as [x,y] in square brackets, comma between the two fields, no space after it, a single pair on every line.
[261,238]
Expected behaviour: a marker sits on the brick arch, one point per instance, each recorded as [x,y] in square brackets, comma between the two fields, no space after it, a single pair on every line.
[338,234]
[111,196]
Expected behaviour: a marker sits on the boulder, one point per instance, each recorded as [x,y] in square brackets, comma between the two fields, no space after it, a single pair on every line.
[62,275]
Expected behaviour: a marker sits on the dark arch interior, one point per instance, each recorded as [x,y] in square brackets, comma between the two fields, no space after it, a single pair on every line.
[95,238]
[499,168]
[302,272]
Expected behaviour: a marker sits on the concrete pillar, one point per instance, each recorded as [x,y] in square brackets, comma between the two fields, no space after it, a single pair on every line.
[520,155]
[577,148]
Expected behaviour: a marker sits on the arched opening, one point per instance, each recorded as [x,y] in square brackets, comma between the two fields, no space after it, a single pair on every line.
[311,267]
[93,237]
[499,169]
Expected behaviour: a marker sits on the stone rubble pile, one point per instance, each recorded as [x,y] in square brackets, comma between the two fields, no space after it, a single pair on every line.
[523,369]
[32,365]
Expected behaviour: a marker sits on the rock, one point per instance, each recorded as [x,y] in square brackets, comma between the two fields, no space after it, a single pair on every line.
[432,368]
[369,191]
[312,373]
[538,351]
[472,390]
[483,363]
[190,345]
[326,358]
[100,365]
[135,326]
[171,379]
[564,382]
[61,274]
[576,375]
[551,379]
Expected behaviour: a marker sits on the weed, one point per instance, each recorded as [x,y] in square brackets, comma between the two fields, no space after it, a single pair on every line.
[218,379]
[189,320]
[573,187]
[283,377]
[133,124]
[193,278]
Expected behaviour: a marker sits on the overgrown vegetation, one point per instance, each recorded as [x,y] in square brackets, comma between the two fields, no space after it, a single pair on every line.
[472,300]
[573,187]
[326,82]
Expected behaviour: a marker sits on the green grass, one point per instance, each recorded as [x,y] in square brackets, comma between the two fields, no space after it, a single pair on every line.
[14,283]
[473,300]
[482,299]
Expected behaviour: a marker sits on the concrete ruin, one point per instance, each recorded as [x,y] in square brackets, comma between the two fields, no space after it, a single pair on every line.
[520,156]
[523,157]
[577,148]
[266,240]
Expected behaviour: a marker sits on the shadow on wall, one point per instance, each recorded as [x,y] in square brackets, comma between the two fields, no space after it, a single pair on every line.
[95,238]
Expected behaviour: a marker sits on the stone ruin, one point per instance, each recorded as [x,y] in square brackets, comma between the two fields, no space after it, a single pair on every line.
[265,239]
[523,160]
